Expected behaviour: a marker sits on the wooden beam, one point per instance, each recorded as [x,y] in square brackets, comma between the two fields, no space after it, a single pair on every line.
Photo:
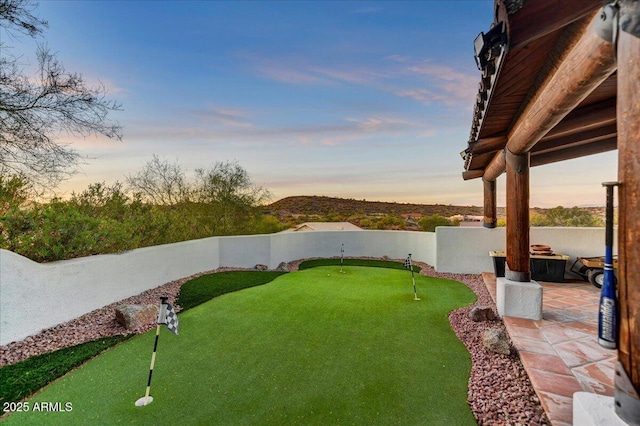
[490,206]
[543,17]
[608,144]
[629,210]
[588,63]
[579,120]
[518,267]
[588,126]
[576,139]
[472,174]
[484,145]
[480,161]
[496,167]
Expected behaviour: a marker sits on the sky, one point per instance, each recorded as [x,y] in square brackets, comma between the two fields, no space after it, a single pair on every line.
[363,100]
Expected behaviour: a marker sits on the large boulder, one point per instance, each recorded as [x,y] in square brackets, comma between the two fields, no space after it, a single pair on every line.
[282,267]
[482,313]
[496,341]
[261,267]
[133,317]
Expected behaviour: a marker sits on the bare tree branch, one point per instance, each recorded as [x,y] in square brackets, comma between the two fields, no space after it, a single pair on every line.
[160,182]
[34,112]
[16,15]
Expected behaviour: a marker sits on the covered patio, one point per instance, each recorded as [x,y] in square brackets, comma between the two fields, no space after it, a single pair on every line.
[560,352]
[560,81]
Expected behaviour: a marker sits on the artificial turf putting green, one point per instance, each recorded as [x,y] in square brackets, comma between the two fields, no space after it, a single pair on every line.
[311,347]
[378,263]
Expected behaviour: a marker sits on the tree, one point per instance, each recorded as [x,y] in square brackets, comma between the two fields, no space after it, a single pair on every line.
[35,111]
[230,196]
[161,182]
[229,183]
[221,200]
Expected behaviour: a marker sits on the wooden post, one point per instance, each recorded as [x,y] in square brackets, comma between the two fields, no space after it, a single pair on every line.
[518,267]
[490,210]
[628,112]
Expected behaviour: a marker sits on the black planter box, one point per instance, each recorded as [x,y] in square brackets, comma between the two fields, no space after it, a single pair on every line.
[543,268]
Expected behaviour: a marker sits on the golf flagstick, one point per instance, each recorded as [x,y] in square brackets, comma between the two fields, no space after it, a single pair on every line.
[408,264]
[608,312]
[166,316]
[341,258]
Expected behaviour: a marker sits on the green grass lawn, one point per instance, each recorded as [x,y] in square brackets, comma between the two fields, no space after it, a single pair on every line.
[311,347]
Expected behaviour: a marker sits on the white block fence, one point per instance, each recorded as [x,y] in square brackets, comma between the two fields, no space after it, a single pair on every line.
[36,296]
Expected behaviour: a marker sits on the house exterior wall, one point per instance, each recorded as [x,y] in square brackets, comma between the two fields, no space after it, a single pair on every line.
[36,296]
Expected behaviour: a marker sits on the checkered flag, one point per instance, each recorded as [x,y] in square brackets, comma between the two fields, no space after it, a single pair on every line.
[167,315]
[409,266]
[407,263]
[170,318]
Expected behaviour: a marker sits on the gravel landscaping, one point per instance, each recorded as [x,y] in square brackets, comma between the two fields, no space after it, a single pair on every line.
[500,392]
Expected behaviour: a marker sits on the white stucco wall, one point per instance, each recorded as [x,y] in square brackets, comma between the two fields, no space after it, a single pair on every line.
[286,247]
[245,251]
[36,296]
[466,249]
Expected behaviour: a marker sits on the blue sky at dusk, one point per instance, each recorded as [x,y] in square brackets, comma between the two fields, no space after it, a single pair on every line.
[364,100]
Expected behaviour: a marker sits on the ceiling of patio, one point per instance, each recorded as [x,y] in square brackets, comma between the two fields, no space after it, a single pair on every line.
[537,32]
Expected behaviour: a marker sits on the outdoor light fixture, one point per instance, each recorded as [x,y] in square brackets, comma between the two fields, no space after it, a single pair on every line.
[485,44]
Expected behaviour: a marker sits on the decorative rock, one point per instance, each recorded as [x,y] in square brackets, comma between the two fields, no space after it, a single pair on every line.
[282,267]
[260,267]
[496,341]
[482,313]
[136,316]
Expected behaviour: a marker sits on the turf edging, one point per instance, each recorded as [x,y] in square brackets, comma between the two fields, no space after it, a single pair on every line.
[202,289]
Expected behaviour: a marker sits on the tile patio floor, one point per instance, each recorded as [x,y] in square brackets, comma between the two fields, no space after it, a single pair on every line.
[561,352]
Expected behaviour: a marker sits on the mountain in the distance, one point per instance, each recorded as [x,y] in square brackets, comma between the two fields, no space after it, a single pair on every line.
[322,206]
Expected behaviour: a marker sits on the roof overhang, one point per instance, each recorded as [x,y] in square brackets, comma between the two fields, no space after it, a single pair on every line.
[528,96]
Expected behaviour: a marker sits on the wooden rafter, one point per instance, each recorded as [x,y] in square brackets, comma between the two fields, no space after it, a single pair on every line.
[587,64]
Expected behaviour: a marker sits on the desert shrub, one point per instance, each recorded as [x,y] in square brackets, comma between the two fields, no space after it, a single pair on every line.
[15,189]
[101,219]
[429,223]
[267,224]
[561,216]
[48,232]
[537,219]
[573,216]
[159,206]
